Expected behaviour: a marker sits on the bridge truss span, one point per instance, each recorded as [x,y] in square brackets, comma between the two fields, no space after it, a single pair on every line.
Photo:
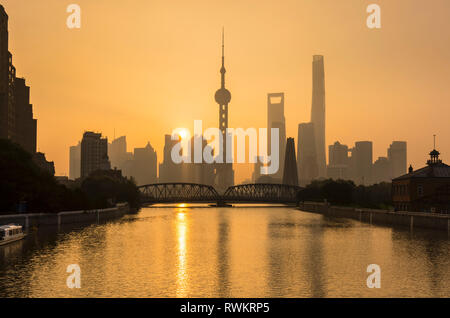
[178,192]
[261,192]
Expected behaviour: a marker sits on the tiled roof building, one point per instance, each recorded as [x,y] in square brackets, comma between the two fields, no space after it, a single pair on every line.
[424,190]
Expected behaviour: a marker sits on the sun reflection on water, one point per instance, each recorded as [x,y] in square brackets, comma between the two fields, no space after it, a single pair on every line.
[181,231]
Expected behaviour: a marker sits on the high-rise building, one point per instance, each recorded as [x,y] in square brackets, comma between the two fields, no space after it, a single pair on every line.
[361,162]
[224,171]
[7,116]
[16,114]
[381,170]
[306,158]
[318,112]
[94,153]
[117,152]
[338,162]
[75,162]
[397,158]
[145,163]
[26,125]
[290,175]
[338,154]
[276,119]
[168,170]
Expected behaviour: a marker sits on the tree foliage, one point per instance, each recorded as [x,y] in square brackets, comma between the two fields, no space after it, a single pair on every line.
[343,192]
[21,180]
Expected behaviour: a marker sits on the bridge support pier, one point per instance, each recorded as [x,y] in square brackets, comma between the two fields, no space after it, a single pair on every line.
[221,203]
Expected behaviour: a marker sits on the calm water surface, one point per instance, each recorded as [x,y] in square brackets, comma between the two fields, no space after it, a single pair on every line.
[227,252]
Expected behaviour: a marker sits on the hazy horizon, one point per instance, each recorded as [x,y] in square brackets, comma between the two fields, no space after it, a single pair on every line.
[159,69]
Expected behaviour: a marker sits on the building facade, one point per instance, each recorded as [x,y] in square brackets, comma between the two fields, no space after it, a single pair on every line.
[361,162]
[145,164]
[397,158]
[75,162]
[424,190]
[94,153]
[307,168]
[318,112]
[338,162]
[16,114]
[276,119]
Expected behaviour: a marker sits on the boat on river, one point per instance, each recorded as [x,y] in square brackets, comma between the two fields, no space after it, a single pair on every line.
[11,233]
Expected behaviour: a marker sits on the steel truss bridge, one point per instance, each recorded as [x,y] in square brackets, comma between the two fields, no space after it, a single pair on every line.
[196,193]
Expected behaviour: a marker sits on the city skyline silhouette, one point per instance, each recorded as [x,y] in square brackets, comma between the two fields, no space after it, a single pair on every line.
[194,152]
[370,94]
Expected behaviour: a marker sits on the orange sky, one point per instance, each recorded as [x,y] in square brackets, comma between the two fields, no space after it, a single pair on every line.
[144,67]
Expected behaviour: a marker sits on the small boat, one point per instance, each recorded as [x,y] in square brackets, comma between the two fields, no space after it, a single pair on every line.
[11,233]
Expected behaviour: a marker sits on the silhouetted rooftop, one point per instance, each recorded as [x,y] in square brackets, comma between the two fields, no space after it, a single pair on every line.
[437,170]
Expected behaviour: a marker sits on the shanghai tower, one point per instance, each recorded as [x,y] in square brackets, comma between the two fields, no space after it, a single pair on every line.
[318,112]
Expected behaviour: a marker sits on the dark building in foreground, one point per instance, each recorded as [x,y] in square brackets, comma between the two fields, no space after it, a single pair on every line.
[16,112]
[424,190]
[40,160]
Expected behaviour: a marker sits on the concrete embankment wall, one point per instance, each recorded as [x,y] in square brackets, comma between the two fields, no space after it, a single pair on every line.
[61,218]
[382,217]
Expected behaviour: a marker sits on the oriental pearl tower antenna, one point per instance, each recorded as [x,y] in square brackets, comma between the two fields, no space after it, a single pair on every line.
[225,174]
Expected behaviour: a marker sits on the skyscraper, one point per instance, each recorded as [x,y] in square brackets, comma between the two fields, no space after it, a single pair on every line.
[117,152]
[290,175]
[168,170]
[7,73]
[26,125]
[275,119]
[224,171]
[94,153]
[318,112]
[145,164]
[397,158]
[75,162]
[381,170]
[306,159]
[16,114]
[361,162]
[338,161]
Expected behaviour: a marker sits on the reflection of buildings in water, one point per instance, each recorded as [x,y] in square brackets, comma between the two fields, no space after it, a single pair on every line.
[279,270]
[223,256]
[437,251]
[314,261]
[284,272]
[430,251]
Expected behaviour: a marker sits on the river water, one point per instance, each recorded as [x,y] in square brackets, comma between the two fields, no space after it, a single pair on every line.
[243,251]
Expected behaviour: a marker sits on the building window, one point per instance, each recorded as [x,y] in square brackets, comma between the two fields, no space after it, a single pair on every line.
[420,190]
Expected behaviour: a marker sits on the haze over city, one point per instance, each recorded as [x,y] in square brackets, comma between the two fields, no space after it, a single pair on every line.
[145,69]
[188,152]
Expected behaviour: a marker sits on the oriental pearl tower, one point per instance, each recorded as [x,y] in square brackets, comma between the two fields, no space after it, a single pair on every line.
[224,171]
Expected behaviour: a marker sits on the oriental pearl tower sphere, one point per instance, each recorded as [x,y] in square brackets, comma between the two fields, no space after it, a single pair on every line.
[223,95]
[225,172]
